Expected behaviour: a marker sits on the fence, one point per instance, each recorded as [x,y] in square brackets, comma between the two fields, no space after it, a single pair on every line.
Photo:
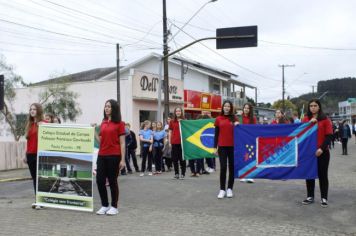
[11,155]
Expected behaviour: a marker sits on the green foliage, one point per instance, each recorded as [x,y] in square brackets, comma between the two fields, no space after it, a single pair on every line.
[289,106]
[251,100]
[58,100]
[12,81]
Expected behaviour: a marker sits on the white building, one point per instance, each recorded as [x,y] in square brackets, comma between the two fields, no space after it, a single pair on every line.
[139,90]
[347,110]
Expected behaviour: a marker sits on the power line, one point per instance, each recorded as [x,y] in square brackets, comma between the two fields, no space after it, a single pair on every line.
[228,59]
[34,46]
[78,27]
[53,32]
[308,47]
[99,18]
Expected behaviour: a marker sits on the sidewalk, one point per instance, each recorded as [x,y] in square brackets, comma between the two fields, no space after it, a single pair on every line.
[14,175]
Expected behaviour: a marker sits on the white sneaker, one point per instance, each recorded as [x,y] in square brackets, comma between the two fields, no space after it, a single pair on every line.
[221,194]
[229,193]
[210,170]
[102,210]
[142,174]
[250,181]
[150,173]
[243,180]
[112,211]
[38,207]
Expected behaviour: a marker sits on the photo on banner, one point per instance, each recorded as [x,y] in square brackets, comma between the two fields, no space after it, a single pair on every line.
[275,151]
[65,167]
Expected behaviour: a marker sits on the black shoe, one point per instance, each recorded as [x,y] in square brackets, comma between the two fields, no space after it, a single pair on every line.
[308,201]
[176,176]
[129,172]
[324,202]
[183,176]
[205,172]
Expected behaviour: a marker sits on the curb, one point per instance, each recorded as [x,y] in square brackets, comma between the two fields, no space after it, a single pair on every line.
[14,179]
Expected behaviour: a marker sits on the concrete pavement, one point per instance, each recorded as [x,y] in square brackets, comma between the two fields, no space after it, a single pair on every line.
[154,205]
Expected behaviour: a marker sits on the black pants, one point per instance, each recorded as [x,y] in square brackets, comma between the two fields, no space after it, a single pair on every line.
[226,156]
[196,165]
[108,167]
[146,154]
[168,162]
[344,145]
[32,166]
[131,153]
[177,157]
[323,165]
[158,158]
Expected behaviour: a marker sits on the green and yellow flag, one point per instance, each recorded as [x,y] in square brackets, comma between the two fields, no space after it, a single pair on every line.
[197,138]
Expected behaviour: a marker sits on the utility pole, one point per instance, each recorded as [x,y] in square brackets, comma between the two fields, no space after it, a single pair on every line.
[256,96]
[313,88]
[283,87]
[118,74]
[165,62]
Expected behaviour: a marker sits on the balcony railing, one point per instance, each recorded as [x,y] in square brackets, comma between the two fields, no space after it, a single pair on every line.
[237,102]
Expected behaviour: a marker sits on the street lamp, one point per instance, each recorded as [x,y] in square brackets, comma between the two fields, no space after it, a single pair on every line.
[191,18]
[165,58]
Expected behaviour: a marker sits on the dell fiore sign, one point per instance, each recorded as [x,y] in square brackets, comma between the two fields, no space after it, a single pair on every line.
[146,86]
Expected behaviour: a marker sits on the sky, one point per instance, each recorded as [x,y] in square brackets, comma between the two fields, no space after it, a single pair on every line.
[42,38]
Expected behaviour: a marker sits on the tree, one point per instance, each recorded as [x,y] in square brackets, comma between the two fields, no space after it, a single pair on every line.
[12,81]
[251,100]
[289,106]
[57,100]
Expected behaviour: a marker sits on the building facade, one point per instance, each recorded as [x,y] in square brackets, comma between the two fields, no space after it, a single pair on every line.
[139,82]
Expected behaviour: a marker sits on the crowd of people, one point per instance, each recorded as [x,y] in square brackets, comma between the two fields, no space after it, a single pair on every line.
[161,150]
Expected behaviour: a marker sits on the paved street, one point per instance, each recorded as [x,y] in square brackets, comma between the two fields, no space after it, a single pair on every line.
[159,205]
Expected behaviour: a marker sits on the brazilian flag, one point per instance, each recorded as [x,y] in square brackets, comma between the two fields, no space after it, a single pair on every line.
[197,138]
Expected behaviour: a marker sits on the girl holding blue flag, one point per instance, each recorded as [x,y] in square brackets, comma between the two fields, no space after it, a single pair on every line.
[325,131]
[224,143]
[248,118]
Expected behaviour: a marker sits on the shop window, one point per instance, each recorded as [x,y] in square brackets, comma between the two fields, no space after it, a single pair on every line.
[148,115]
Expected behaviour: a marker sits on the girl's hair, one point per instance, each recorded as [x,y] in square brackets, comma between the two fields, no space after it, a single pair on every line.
[283,119]
[159,129]
[147,123]
[58,119]
[115,111]
[321,115]
[250,113]
[51,117]
[175,116]
[231,112]
[31,120]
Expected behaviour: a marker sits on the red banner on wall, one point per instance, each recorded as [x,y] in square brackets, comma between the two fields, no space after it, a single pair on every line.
[194,100]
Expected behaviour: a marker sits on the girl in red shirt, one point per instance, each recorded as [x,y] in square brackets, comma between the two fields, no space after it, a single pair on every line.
[110,157]
[325,131]
[280,118]
[34,119]
[174,139]
[224,143]
[248,118]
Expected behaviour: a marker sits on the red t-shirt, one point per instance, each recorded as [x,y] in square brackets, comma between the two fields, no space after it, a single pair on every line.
[175,135]
[246,120]
[32,139]
[226,131]
[274,122]
[324,128]
[110,133]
